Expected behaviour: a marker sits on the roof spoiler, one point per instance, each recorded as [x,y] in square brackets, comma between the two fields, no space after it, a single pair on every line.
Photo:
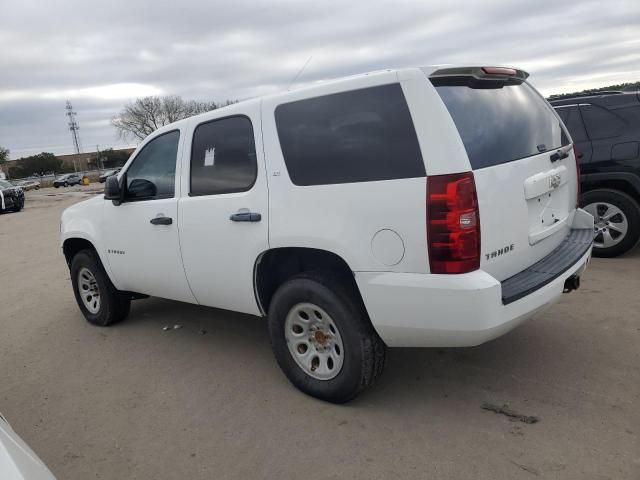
[471,76]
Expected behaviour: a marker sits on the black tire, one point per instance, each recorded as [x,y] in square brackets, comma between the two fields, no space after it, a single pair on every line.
[364,351]
[114,305]
[629,208]
[56,186]
[66,184]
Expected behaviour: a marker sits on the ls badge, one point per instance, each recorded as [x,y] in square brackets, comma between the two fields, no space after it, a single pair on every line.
[555,180]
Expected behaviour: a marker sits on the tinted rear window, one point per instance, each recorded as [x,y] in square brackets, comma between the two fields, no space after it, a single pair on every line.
[572,119]
[357,136]
[601,123]
[499,125]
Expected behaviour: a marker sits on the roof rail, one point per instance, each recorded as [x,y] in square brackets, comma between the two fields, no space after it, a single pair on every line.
[585,94]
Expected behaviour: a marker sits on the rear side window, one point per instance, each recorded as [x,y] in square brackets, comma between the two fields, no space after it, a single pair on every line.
[573,121]
[223,157]
[499,125]
[600,122]
[358,136]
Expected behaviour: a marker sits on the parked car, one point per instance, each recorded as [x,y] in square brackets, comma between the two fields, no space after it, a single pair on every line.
[17,460]
[422,207]
[67,180]
[11,197]
[606,130]
[28,184]
[102,178]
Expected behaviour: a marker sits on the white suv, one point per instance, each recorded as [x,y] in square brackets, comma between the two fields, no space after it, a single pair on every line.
[418,207]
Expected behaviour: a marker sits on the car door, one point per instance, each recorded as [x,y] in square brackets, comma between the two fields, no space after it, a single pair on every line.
[141,233]
[603,128]
[223,219]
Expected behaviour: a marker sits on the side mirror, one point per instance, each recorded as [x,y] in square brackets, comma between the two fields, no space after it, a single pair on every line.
[141,188]
[112,190]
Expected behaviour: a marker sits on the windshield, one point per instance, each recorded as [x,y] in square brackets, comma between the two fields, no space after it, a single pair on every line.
[5,184]
[499,125]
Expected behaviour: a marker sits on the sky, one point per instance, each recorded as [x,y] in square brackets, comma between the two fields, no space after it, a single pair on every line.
[100,54]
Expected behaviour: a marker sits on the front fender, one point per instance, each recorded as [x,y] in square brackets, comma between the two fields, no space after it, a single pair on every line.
[82,221]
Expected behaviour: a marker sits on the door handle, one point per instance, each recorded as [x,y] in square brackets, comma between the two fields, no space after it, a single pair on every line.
[161,221]
[559,155]
[245,217]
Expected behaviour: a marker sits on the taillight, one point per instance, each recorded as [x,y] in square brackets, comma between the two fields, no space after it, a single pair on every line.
[453,223]
[576,156]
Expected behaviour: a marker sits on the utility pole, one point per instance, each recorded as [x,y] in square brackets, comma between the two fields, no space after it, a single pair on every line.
[99,162]
[74,127]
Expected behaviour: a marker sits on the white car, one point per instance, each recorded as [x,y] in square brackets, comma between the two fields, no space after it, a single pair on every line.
[17,460]
[422,207]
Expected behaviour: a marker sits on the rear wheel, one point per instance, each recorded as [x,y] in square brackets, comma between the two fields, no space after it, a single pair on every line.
[617,221]
[100,302]
[322,338]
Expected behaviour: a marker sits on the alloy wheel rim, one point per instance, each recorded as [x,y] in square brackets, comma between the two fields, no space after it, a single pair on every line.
[89,290]
[610,224]
[314,341]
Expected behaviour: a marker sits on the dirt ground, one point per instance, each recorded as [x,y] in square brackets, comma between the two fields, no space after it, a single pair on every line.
[136,402]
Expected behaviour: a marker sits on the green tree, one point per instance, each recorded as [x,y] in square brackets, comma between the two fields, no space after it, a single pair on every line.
[39,164]
[4,158]
[113,158]
[4,155]
[624,87]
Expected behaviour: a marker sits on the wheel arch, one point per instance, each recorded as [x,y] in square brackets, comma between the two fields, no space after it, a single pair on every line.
[274,266]
[75,241]
[72,245]
[623,181]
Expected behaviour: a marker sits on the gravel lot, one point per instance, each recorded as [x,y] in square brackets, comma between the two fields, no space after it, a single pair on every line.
[134,401]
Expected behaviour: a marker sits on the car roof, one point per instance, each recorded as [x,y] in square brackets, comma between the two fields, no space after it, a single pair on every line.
[596,97]
[426,70]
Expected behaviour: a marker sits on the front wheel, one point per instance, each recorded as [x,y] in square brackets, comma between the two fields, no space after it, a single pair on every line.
[100,302]
[322,337]
[66,184]
[617,221]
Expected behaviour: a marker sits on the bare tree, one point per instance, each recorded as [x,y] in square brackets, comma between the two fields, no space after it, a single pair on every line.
[144,115]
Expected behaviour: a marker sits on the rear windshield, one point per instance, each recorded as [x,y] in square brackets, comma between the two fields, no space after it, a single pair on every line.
[499,125]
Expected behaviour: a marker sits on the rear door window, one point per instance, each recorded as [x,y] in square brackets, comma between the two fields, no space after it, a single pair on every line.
[223,157]
[572,119]
[600,122]
[357,136]
[500,125]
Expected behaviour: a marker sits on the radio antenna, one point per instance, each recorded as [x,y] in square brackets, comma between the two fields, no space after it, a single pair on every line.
[300,72]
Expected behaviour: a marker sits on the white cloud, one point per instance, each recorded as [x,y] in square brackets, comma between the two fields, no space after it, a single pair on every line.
[99,54]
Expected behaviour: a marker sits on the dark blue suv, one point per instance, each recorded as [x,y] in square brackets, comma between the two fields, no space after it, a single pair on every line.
[605,128]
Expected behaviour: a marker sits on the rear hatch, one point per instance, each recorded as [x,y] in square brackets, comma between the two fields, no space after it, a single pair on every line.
[522,160]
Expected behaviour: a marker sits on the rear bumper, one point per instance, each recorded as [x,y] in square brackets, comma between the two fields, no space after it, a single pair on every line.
[422,310]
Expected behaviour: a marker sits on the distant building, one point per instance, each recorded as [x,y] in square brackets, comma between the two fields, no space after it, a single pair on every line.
[87,161]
